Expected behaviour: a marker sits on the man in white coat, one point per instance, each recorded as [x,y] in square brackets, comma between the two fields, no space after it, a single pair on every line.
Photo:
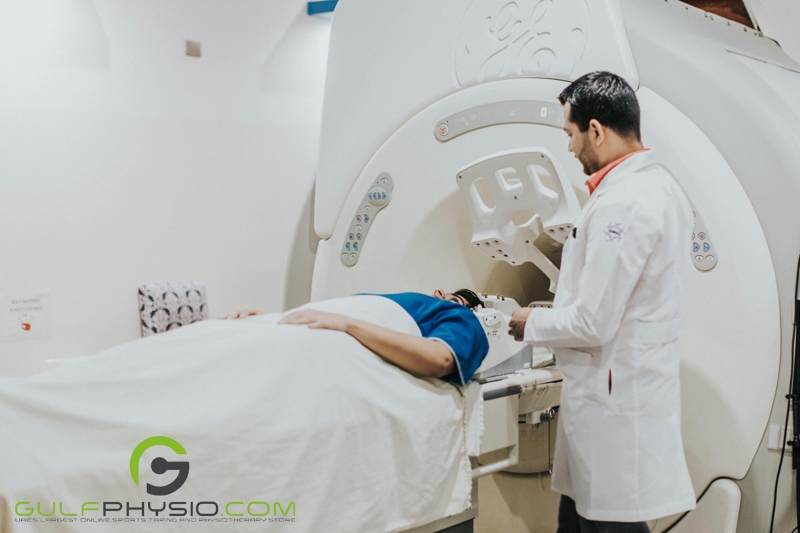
[615,323]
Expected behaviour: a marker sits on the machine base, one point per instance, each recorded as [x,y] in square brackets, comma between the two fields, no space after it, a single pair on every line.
[717,510]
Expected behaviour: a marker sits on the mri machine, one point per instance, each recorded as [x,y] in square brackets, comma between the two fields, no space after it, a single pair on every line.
[441,128]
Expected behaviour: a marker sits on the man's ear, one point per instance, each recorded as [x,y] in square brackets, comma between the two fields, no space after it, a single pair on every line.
[597,133]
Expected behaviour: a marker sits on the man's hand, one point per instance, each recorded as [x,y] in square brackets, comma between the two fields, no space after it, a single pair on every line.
[240,314]
[318,320]
[516,327]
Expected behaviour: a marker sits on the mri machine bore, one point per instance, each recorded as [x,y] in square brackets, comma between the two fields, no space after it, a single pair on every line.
[441,128]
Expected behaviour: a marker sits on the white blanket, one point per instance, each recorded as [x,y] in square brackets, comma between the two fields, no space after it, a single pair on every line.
[266,413]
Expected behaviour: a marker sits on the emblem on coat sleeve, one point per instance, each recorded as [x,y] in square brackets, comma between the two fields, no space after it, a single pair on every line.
[614,232]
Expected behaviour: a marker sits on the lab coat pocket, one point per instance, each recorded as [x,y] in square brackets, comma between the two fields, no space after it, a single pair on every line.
[617,383]
[573,255]
[569,358]
[578,369]
[636,377]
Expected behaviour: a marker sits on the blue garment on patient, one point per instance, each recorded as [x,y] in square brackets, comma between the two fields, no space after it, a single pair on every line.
[450,323]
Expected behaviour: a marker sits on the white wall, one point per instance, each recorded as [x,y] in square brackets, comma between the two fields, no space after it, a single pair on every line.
[122,160]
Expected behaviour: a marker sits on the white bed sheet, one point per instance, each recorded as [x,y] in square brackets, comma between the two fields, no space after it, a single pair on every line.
[266,413]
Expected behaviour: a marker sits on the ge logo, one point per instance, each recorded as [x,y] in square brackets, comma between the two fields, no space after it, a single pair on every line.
[524,38]
[159,465]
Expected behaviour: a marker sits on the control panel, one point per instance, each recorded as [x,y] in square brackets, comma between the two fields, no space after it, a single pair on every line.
[509,112]
[703,253]
[378,197]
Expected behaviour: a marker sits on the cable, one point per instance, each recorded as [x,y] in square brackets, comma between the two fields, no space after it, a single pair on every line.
[788,406]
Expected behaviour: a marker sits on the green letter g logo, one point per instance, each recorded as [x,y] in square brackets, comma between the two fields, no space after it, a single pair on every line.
[161,465]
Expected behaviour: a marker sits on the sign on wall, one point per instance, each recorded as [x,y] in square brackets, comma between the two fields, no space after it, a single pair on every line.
[24,315]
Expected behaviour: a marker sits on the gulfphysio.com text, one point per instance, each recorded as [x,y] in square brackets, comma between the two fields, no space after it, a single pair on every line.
[109,512]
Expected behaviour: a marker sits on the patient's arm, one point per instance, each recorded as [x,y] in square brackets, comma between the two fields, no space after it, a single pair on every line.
[424,357]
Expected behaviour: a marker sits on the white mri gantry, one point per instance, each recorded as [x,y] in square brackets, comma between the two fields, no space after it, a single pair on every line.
[442,129]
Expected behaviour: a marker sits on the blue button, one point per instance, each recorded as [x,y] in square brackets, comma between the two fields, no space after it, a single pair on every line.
[696,247]
[366,219]
[706,247]
[347,246]
[355,246]
[383,196]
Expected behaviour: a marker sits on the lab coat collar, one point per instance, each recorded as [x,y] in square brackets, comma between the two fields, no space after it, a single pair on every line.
[632,164]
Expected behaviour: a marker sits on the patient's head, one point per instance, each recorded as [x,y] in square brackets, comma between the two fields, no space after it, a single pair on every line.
[464,297]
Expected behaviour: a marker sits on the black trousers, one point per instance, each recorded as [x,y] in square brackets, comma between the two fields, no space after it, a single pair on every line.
[569,521]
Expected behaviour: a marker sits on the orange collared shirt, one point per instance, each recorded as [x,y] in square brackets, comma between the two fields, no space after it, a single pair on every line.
[595,179]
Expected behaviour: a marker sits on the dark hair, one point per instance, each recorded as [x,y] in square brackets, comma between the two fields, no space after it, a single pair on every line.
[470,297]
[605,97]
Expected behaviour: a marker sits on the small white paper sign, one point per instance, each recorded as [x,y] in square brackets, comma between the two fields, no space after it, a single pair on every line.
[24,315]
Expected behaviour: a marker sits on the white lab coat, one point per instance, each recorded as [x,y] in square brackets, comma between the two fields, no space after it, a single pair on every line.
[619,309]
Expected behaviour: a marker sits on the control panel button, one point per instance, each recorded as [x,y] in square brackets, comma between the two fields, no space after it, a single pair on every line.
[695,247]
[444,129]
[355,246]
[352,236]
[698,258]
[352,256]
[347,246]
[366,218]
[706,247]
[367,209]
[358,236]
[377,196]
[358,218]
[701,236]
[709,258]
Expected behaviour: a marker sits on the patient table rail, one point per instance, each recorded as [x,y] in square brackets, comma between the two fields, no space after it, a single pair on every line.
[502,393]
[505,400]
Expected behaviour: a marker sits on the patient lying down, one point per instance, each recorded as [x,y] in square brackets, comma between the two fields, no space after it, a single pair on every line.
[350,429]
[452,344]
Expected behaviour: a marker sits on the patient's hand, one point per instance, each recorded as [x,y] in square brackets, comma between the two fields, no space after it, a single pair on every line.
[240,314]
[317,320]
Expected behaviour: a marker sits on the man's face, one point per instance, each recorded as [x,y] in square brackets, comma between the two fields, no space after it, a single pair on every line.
[455,298]
[580,144]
